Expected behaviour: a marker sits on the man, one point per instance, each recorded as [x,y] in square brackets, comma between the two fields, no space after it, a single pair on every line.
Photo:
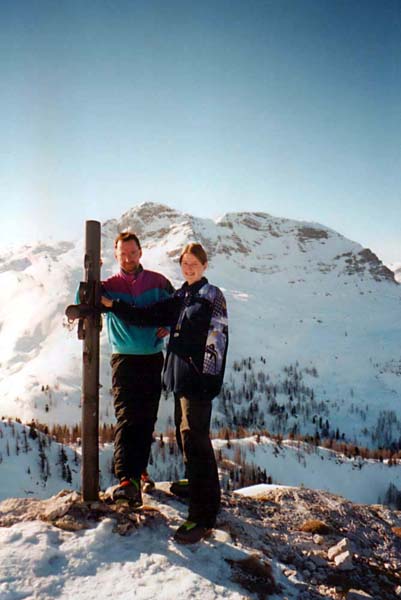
[137,362]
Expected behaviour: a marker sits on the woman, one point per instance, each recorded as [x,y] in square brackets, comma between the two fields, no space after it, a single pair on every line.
[194,370]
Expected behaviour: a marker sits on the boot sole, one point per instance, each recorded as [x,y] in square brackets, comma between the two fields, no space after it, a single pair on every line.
[188,542]
[129,503]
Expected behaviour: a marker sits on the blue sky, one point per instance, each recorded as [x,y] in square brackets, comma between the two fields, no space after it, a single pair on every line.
[288,107]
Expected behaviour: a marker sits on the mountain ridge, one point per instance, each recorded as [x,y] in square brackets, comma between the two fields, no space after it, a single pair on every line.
[296,291]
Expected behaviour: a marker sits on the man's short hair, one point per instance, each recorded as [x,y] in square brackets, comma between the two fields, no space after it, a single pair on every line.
[127,236]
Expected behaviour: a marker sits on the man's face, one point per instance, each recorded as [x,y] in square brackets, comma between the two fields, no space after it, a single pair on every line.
[128,255]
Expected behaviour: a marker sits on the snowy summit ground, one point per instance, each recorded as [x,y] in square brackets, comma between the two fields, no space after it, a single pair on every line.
[282,543]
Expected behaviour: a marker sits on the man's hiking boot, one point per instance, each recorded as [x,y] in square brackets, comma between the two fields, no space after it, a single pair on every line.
[190,533]
[180,488]
[128,492]
[147,483]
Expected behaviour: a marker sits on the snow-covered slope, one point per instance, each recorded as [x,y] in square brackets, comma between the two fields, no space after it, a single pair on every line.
[396,268]
[303,300]
[33,464]
[280,543]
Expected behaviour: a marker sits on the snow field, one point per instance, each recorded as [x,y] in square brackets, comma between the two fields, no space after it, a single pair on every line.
[39,562]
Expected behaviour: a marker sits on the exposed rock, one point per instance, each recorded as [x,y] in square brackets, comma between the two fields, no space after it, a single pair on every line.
[318,539]
[69,523]
[297,581]
[68,511]
[60,506]
[255,575]
[344,560]
[311,233]
[316,526]
[339,548]
[376,267]
[16,265]
[366,261]
[318,560]
[55,250]
[16,510]
[368,558]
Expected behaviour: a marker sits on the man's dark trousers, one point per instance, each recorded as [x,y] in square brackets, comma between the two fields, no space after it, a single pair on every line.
[136,381]
[192,419]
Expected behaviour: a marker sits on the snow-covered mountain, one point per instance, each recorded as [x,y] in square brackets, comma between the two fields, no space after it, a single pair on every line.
[314,323]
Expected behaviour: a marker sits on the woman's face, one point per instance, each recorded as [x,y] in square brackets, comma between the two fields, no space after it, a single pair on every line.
[192,269]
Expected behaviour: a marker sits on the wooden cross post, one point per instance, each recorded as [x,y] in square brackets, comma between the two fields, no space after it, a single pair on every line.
[89,326]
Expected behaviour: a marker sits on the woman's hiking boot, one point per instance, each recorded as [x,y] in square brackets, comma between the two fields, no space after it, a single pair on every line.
[190,533]
[180,488]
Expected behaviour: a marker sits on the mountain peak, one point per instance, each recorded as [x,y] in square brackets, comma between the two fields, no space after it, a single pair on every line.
[149,210]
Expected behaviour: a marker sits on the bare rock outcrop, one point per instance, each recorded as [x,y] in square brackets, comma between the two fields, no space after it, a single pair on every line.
[325,545]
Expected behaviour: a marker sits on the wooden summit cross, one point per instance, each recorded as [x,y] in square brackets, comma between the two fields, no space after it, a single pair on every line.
[89,326]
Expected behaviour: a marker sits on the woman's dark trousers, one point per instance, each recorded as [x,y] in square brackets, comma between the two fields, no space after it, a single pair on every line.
[192,418]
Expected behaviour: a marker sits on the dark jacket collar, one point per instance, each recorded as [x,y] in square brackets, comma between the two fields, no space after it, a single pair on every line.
[194,287]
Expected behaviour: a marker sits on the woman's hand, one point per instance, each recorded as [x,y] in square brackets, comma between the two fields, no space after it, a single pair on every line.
[107,302]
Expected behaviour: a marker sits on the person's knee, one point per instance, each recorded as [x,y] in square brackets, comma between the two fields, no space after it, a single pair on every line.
[133,417]
[196,443]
